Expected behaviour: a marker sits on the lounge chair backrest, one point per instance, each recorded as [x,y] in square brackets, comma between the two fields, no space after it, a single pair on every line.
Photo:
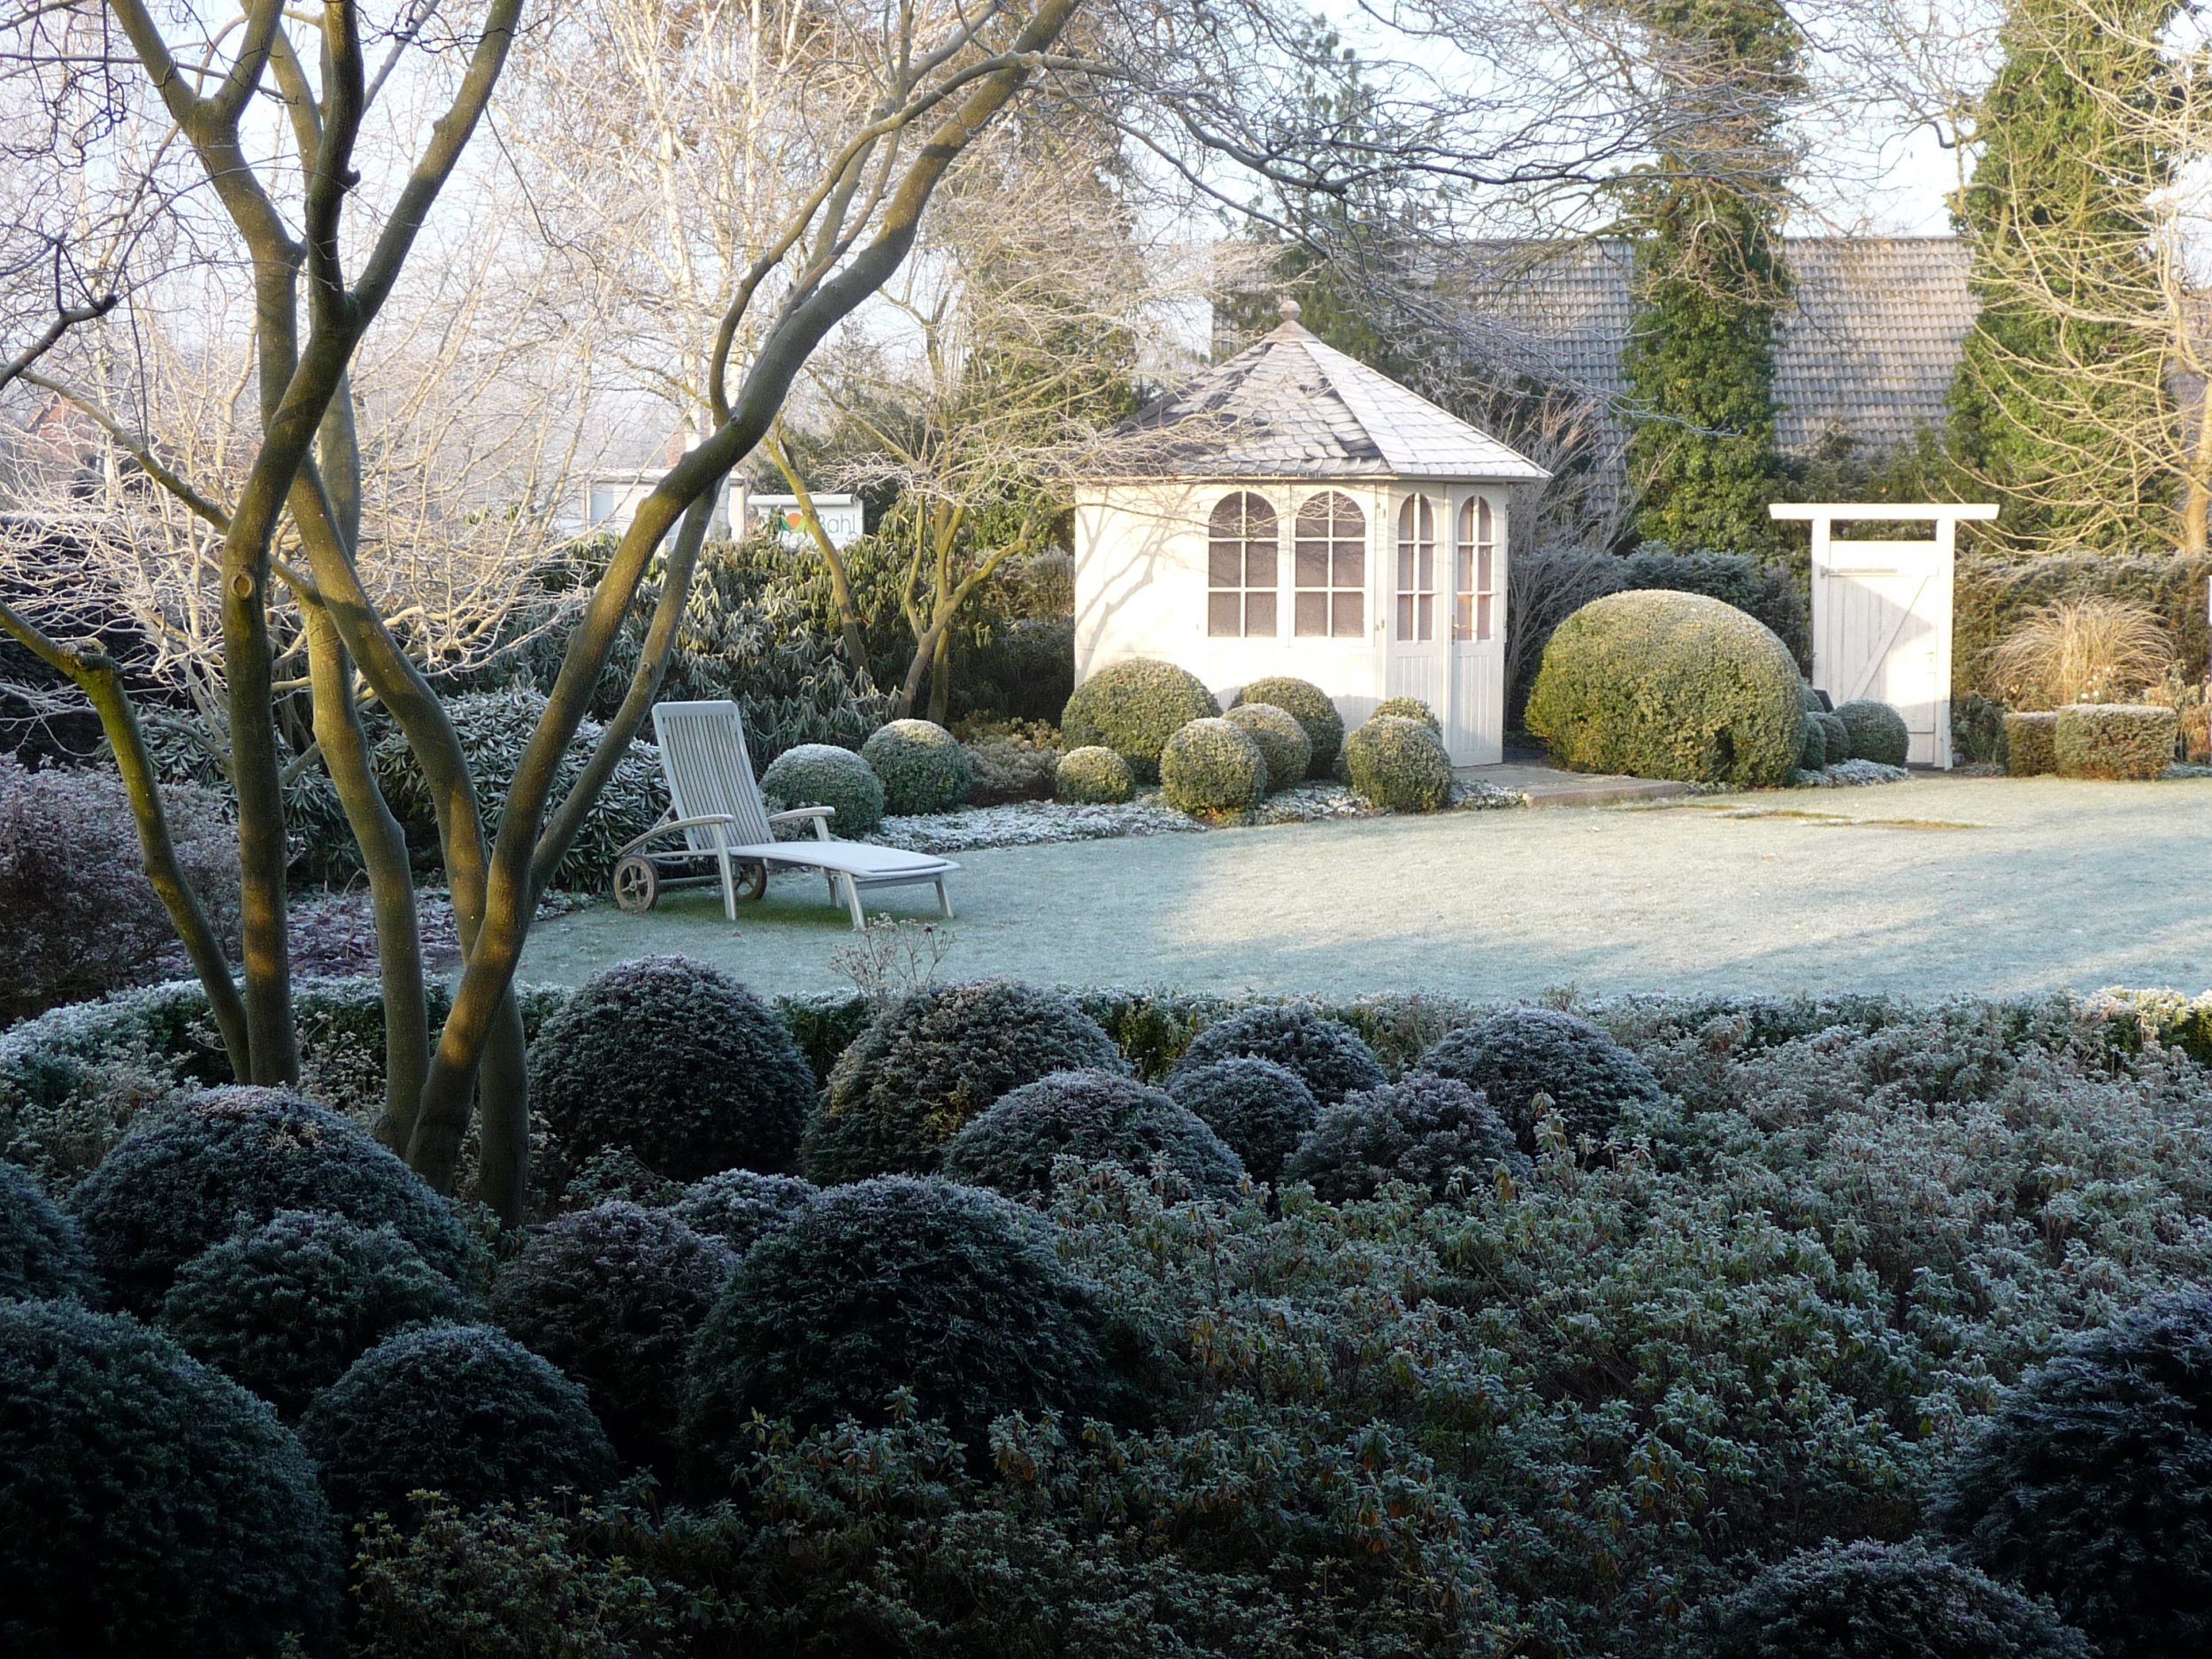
[703,753]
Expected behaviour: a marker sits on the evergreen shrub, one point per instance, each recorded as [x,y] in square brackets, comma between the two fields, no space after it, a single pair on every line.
[1098,1117]
[2114,740]
[1835,735]
[1259,1109]
[1877,732]
[1771,593]
[922,767]
[1011,763]
[1589,1079]
[677,1063]
[1428,1131]
[228,1160]
[1133,708]
[42,1256]
[1311,707]
[1093,776]
[741,1207]
[1399,764]
[1410,708]
[934,1060]
[2031,743]
[283,1309]
[1212,767]
[1283,743]
[953,1293]
[1668,685]
[1326,1055]
[149,1505]
[462,1409]
[1812,745]
[821,774]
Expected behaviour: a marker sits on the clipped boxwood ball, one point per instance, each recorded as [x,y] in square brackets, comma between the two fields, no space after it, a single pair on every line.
[230,1159]
[40,1255]
[922,767]
[1212,767]
[1428,1131]
[149,1505]
[676,1062]
[1835,737]
[1093,776]
[1099,1116]
[1528,1051]
[1328,1056]
[1133,708]
[2092,1483]
[933,1061]
[821,774]
[1283,743]
[956,1294]
[1399,764]
[741,1207]
[1410,708]
[1259,1109]
[1875,731]
[1312,708]
[285,1309]
[1660,684]
[458,1408]
[612,1296]
[1874,1600]
[1812,752]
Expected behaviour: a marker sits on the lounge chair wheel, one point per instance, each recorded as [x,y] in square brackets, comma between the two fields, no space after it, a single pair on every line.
[637,884]
[752,881]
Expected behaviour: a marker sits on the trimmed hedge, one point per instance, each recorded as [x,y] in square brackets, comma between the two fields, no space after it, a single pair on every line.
[2031,743]
[1098,1117]
[951,1293]
[1835,735]
[1133,708]
[1283,743]
[612,1296]
[1259,1109]
[1326,1055]
[1992,597]
[1875,730]
[1211,767]
[1812,745]
[230,1159]
[1514,1057]
[821,774]
[1311,707]
[922,767]
[1093,776]
[741,1207]
[1427,1132]
[1399,764]
[2092,1483]
[463,1409]
[934,1060]
[1668,685]
[285,1309]
[2114,740]
[149,1505]
[677,1063]
[42,1255]
[1410,708]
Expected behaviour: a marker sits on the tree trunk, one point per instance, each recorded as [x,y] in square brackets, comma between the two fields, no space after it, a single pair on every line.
[941,675]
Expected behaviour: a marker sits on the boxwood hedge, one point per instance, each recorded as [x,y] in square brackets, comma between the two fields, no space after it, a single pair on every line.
[741,1207]
[1326,1054]
[1259,1109]
[1212,767]
[821,774]
[1311,707]
[922,767]
[42,1255]
[1427,1132]
[1283,744]
[1133,708]
[1589,1079]
[1098,1117]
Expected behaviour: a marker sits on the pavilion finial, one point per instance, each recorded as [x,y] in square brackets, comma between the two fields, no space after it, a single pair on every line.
[1287,308]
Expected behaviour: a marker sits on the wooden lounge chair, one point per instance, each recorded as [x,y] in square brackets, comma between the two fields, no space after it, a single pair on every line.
[718,815]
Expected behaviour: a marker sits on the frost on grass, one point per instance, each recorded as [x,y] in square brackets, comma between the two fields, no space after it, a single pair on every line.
[1849,774]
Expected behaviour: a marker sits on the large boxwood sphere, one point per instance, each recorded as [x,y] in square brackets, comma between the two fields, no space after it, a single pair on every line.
[741,1207]
[1283,743]
[1427,1132]
[612,1296]
[955,1294]
[41,1253]
[285,1309]
[933,1061]
[1875,730]
[1410,708]
[1260,1110]
[1327,1054]
[1528,1051]
[922,767]
[1093,776]
[1399,764]
[1099,1116]
[1668,685]
[1212,767]
[821,774]
[458,1408]
[1133,708]
[677,1063]
[2092,1483]
[1874,1600]
[149,1505]
[1311,707]
[230,1159]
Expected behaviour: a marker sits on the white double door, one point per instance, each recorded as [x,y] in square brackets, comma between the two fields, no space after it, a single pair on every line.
[1882,629]
[1444,618]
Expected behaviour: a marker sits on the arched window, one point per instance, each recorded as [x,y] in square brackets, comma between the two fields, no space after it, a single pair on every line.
[1417,569]
[1330,568]
[1240,580]
[1474,571]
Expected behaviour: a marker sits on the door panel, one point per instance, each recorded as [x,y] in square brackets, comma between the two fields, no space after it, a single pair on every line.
[1882,629]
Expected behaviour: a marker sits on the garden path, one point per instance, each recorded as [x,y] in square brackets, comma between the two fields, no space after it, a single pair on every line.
[1986,885]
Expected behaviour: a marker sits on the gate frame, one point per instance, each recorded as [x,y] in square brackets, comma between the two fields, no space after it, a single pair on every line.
[1946,517]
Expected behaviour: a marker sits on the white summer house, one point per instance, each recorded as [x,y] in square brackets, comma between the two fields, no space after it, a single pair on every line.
[1292,511]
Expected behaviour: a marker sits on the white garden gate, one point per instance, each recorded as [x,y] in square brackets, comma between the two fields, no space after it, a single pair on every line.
[1882,614]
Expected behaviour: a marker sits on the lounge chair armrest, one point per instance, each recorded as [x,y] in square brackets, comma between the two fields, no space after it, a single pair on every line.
[671,827]
[821,814]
